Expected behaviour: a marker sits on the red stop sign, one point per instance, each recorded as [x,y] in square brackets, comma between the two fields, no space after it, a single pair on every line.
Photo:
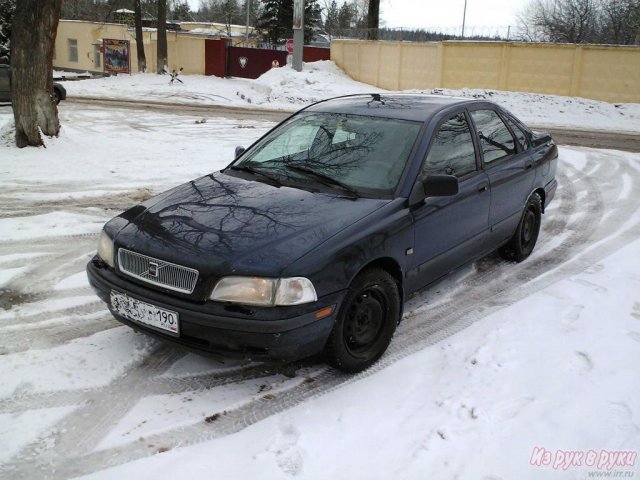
[290,45]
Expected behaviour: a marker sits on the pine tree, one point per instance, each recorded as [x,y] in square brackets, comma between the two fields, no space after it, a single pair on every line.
[181,12]
[345,16]
[277,20]
[312,19]
[331,24]
[254,13]
[7,9]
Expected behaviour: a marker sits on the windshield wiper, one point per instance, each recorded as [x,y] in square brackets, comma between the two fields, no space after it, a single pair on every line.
[326,179]
[247,168]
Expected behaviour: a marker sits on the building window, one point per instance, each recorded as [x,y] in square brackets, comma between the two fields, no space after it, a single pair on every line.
[73,49]
[96,56]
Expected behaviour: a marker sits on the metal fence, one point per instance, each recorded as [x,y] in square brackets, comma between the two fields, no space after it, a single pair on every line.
[426,34]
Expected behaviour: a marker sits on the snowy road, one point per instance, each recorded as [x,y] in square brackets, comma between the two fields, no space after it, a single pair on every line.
[589,137]
[80,393]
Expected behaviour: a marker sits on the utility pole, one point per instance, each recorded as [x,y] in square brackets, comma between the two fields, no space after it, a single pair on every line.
[247,4]
[298,34]
[464,17]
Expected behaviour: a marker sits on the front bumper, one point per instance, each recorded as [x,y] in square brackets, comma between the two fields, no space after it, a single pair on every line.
[207,327]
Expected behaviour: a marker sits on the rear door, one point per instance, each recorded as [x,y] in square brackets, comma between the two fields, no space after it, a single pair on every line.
[5,85]
[509,166]
[450,231]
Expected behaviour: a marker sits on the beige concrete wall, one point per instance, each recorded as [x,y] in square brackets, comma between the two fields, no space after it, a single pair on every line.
[183,50]
[87,35]
[609,73]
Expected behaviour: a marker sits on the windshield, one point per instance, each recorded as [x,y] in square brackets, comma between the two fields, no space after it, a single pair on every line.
[353,153]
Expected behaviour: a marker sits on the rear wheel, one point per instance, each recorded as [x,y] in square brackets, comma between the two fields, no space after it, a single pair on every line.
[366,322]
[56,96]
[524,239]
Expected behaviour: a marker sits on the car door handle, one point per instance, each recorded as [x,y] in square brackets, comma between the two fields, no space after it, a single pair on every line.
[528,165]
[483,187]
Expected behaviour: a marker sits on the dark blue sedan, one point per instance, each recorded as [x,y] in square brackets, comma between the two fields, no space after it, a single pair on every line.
[314,237]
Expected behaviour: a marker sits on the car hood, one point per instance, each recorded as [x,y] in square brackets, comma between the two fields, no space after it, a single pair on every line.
[224,225]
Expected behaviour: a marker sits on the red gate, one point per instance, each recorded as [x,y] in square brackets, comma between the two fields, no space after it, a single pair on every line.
[222,60]
[253,62]
[215,57]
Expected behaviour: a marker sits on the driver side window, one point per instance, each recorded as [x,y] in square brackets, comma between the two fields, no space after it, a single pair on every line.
[452,151]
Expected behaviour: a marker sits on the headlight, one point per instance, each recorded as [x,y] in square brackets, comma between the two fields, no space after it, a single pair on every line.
[264,291]
[105,249]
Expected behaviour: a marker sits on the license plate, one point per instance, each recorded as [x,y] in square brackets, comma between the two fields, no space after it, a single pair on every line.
[145,313]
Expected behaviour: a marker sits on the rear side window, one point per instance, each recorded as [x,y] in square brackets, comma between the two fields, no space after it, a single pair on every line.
[495,139]
[452,151]
[521,137]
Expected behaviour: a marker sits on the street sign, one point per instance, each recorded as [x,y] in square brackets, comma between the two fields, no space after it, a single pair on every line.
[290,45]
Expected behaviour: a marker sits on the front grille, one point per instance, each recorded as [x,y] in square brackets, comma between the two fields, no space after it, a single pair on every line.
[157,272]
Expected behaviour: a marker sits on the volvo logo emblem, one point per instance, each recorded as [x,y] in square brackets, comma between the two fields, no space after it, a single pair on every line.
[243,62]
[153,269]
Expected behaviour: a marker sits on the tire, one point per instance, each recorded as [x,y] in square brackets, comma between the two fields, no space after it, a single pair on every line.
[524,239]
[56,96]
[366,321]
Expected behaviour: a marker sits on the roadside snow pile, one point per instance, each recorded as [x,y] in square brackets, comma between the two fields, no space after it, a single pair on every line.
[317,81]
[278,89]
[102,158]
[556,110]
[285,89]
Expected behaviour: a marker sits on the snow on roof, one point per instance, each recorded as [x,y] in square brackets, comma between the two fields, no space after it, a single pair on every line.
[124,10]
[215,24]
[214,31]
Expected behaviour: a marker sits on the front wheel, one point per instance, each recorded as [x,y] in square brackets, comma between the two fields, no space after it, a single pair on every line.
[56,96]
[524,239]
[365,323]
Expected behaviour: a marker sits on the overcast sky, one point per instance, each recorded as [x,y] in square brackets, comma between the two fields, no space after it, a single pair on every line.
[442,13]
[448,13]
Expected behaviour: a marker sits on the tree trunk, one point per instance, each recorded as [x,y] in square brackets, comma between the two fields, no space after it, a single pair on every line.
[162,35]
[142,59]
[373,19]
[33,36]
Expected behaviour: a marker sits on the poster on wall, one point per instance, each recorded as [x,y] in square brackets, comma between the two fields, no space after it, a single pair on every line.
[116,56]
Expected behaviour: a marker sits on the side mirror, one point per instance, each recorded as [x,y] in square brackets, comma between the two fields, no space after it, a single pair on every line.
[239,150]
[434,185]
[437,185]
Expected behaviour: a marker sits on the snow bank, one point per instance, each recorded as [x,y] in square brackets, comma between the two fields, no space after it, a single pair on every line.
[285,89]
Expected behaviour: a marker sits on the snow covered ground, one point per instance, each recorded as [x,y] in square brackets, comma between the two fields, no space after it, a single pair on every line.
[495,362]
[285,89]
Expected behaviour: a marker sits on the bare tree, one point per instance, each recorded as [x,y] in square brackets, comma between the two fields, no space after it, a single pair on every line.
[581,21]
[33,36]
[162,36]
[142,59]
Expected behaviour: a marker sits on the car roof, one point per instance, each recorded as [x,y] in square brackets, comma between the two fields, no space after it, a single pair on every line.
[413,107]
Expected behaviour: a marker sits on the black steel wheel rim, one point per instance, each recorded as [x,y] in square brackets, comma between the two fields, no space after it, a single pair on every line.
[528,227]
[365,320]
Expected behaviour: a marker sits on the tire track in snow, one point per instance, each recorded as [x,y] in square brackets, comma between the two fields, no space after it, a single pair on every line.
[499,285]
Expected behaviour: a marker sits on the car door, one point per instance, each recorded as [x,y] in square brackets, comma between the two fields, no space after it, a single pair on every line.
[450,231]
[509,166]
[5,85]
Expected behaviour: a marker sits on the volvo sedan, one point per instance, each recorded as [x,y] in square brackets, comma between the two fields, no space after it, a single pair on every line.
[313,238]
